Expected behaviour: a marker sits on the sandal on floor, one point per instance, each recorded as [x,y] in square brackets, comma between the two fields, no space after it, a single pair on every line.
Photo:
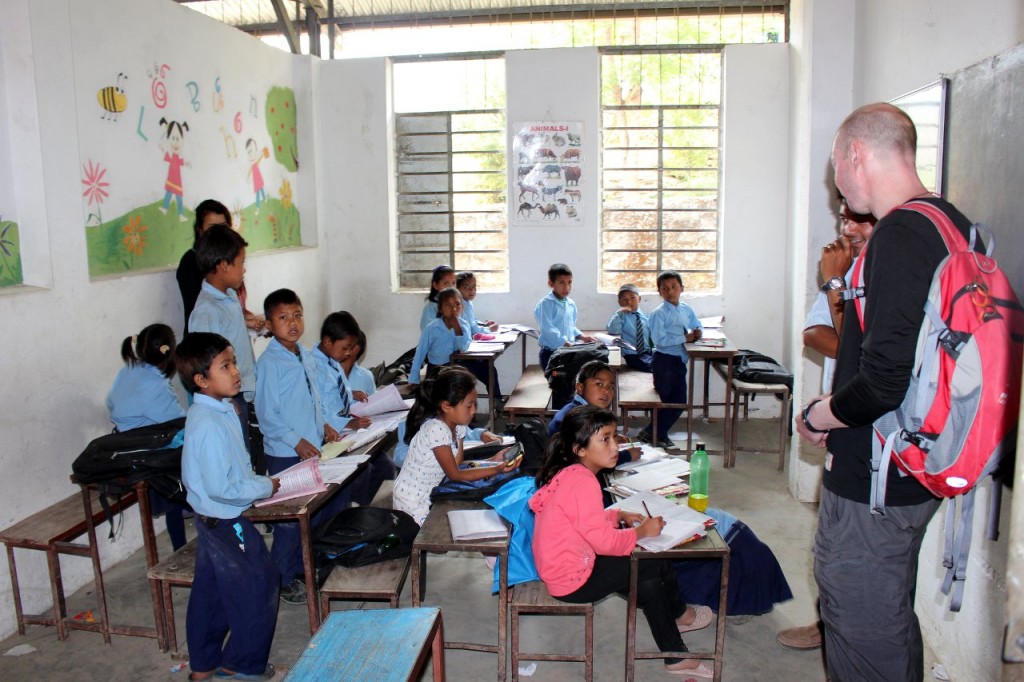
[703,670]
[206,676]
[701,619]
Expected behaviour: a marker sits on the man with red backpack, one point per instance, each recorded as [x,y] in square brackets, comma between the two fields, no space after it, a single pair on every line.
[865,564]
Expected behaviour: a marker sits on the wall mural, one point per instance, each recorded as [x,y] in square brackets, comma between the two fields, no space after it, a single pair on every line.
[10,254]
[164,124]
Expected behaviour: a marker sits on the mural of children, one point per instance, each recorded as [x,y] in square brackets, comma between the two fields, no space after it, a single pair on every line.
[255,157]
[172,186]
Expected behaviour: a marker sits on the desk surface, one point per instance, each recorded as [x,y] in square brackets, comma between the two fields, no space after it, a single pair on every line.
[436,533]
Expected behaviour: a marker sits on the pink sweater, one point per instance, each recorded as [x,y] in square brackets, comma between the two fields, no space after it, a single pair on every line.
[572,527]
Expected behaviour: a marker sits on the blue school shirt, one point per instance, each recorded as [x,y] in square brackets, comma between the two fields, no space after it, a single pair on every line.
[669,324]
[142,395]
[556,421]
[556,320]
[335,395]
[361,379]
[469,317]
[221,313]
[624,324]
[287,400]
[437,343]
[215,466]
[428,315]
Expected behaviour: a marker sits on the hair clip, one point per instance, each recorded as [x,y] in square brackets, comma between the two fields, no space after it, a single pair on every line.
[164,349]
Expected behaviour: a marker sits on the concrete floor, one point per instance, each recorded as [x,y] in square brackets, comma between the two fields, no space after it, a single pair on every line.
[754,491]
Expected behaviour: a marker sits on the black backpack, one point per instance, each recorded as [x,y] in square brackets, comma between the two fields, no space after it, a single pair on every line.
[756,368]
[565,364]
[449,489]
[533,434]
[395,373]
[359,536]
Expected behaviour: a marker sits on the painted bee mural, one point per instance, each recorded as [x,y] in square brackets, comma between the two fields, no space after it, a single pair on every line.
[112,99]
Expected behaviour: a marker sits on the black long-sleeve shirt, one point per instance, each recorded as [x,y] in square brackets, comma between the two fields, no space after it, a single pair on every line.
[873,367]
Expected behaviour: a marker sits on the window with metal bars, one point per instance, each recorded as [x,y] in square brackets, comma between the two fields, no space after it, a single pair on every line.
[450,170]
[661,147]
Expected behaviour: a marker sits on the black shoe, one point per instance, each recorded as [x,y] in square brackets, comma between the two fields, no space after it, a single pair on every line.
[645,437]
[666,444]
[268,673]
[294,593]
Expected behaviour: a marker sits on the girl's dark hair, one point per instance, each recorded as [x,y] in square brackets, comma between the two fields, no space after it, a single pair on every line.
[451,385]
[170,125]
[580,424]
[338,326]
[591,369]
[361,341]
[154,345]
[439,272]
[444,295]
[461,278]
[205,208]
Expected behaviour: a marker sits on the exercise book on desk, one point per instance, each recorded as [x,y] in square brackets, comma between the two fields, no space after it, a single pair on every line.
[297,481]
[476,524]
[682,524]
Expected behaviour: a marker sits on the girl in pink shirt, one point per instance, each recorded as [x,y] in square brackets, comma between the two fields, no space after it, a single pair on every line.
[582,549]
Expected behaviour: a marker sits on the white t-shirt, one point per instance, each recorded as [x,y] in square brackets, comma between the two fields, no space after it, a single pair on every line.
[421,471]
[819,316]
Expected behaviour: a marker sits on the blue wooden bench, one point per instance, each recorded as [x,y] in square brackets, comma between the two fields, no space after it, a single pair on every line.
[382,645]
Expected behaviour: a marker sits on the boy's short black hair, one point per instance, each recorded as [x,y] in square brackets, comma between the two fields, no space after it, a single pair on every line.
[219,244]
[195,354]
[279,297]
[669,274]
[361,342]
[339,325]
[558,270]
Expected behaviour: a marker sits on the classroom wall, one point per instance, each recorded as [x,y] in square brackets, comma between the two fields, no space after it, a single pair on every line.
[60,348]
[357,172]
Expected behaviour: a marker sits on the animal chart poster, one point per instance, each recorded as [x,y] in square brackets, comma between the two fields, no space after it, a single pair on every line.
[548,157]
[175,111]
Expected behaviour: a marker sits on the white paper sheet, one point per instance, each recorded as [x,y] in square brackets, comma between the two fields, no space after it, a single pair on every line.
[387,399]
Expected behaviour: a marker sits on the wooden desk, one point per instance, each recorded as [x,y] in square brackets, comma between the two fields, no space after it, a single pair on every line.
[436,536]
[709,354]
[490,357]
[384,645]
[710,547]
[301,509]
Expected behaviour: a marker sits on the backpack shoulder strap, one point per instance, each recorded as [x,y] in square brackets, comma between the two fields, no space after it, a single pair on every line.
[950,235]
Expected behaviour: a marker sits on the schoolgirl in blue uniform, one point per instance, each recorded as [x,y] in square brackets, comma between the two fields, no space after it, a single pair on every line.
[234,593]
[447,334]
[442,278]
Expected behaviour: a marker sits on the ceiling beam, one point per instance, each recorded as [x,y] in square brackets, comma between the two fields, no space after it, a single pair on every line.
[285,26]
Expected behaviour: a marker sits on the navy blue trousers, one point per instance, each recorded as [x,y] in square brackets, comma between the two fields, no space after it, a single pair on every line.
[640,362]
[286,551]
[545,355]
[479,369]
[234,591]
[670,383]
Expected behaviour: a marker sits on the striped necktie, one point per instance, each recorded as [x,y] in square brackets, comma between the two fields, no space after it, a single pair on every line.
[641,343]
[346,399]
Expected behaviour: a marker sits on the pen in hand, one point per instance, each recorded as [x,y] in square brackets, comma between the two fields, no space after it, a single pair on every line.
[646,509]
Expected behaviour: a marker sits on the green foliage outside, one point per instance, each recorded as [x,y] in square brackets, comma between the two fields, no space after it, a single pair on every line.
[10,254]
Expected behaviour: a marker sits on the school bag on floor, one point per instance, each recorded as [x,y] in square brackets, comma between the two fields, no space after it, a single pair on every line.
[564,365]
[359,536]
[959,416]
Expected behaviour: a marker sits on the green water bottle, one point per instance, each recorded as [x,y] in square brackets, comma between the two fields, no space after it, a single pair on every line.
[699,469]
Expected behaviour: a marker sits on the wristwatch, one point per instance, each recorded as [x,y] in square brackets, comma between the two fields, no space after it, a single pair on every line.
[834,284]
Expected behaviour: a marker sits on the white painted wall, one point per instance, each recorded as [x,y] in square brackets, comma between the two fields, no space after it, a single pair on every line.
[60,348]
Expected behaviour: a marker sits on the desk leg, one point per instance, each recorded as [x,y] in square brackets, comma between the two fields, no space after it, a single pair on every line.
[492,403]
[437,649]
[152,559]
[634,570]
[502,615]
[419,576]
[689,404]
[60,611]
[730,451]
[723,594]
[309,571]
[707,377]
[97,567]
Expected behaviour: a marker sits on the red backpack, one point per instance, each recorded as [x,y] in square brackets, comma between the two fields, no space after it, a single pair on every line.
[959,416]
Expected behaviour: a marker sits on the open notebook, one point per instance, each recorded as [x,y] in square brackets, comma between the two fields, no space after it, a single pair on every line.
[682,524]
[476,524]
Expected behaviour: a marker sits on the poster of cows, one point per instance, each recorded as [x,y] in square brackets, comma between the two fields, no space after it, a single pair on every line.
[548,160]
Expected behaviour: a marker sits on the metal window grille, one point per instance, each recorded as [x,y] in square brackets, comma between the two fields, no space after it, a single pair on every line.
[661,180]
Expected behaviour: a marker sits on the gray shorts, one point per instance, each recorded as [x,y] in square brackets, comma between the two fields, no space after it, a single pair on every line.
[866,570]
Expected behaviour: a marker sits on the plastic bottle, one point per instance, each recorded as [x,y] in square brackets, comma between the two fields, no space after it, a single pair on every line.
[388,542]
[699,469]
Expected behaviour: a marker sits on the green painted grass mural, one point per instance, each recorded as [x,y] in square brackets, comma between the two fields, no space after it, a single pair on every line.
[147,238]
[10,254]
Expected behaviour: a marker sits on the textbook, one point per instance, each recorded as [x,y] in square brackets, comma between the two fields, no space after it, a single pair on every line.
[682,524]
[610,341]
[296,481]
[386,399]
[476,524]
[711,337]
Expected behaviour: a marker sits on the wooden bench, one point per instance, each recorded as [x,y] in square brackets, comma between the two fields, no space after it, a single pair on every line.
[382,581]
[177,570]
[51,530]
[533,598]
[744,390]
[379,644]
[531,396]
[636,394]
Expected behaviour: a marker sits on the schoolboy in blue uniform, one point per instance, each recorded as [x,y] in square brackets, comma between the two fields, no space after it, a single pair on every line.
[234,592]
[220,255]
[556,314]
[633,326]
[673,324]
[360,379]
[293,423]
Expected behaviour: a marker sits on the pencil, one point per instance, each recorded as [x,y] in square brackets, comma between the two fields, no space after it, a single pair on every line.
[646,509]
